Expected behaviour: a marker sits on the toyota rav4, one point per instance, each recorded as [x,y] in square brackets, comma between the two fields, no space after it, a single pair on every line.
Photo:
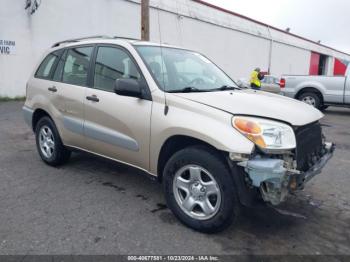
[174,114]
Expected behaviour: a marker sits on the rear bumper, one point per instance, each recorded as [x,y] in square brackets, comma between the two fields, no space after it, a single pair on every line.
[28,115]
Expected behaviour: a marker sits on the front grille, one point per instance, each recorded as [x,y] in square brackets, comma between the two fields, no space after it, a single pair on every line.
[309,145]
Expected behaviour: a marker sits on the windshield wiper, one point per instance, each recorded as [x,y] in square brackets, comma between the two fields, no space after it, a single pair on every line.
[225,87]
[187,89]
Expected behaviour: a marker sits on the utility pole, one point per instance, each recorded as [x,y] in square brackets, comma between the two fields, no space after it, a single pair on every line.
[145,20]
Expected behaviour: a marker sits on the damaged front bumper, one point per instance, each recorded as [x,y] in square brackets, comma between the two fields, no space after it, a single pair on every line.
[276,179]
[304,177]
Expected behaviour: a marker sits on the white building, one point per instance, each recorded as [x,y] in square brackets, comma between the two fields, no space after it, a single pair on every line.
[236,43]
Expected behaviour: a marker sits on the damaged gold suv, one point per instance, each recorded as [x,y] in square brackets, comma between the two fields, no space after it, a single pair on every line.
[175,115]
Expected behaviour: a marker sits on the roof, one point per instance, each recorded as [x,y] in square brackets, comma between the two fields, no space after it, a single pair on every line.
[264,24]
[96,37]
[103,39]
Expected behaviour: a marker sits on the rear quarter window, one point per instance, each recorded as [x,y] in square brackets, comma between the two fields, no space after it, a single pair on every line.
[47,65]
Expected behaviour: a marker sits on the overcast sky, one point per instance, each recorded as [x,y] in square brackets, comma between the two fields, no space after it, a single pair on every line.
[325,20]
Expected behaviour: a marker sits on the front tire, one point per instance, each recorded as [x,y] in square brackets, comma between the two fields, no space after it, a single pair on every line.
[49,144]
[199,189]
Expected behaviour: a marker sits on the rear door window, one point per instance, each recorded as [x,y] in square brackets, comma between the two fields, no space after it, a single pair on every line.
[76,66]
[46,67]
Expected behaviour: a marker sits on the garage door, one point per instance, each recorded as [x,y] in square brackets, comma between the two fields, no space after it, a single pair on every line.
[314,63]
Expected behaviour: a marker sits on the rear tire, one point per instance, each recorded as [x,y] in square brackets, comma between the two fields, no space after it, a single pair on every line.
[199,189]
[49,143]
[312,99]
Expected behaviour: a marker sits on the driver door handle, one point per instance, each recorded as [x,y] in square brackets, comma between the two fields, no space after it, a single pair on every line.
[93,98]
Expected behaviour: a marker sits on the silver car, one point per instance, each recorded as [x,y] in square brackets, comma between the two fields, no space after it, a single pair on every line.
[270,84]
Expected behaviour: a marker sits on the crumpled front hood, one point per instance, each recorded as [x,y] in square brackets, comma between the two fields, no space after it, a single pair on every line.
[257,103]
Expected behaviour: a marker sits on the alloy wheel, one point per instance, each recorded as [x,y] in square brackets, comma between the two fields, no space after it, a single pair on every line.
[196,192]
[46,141]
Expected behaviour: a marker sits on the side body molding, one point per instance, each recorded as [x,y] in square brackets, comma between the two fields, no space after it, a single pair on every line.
[73,124]
[110,136]
[100,133]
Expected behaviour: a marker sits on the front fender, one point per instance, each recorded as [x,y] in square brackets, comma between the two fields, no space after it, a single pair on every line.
[195,120]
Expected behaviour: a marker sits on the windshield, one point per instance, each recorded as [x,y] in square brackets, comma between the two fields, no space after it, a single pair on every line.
[178,70]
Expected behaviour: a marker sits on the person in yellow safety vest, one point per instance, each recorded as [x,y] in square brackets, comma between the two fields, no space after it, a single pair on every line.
[254,79]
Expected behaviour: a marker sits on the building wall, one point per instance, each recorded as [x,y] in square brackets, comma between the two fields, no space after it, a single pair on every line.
[52,22]
[235,52]
[237,45]
[289,60]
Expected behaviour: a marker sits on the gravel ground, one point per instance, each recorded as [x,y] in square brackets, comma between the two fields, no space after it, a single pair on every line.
[96,206]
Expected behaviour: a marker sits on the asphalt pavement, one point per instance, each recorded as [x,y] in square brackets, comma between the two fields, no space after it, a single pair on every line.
[97,206]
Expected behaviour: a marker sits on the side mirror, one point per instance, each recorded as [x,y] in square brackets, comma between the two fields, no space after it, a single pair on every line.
[128,87]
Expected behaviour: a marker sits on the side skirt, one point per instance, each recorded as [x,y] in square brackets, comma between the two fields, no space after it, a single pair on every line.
[146,172]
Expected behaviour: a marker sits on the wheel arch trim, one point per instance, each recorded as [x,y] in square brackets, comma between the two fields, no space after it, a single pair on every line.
[311,88]
[38,111]
[174,144]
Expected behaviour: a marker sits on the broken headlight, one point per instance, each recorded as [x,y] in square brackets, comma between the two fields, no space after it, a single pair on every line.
[265,133]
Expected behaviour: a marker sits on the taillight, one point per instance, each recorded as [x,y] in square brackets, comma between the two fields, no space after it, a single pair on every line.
[282,82]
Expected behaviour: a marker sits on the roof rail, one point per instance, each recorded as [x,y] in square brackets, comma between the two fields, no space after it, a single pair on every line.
[92,37]
[127,38]
[80,39]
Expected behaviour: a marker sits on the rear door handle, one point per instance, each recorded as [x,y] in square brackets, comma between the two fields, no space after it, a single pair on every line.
[52,89]
[93,98]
